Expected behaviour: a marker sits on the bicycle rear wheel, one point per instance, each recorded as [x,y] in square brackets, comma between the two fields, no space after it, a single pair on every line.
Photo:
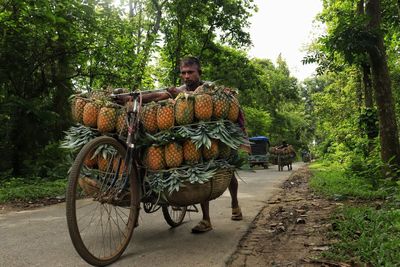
[102,201]
[174,215]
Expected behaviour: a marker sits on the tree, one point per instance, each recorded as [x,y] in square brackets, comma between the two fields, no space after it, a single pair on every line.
[192,27]
[382,86]
[353,36]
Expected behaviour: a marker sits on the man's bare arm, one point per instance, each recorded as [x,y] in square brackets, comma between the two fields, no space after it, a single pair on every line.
[157,96]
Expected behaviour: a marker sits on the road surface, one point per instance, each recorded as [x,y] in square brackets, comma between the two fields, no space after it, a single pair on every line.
[40,237]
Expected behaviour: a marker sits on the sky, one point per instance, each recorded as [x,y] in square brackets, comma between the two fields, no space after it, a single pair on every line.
[285,27]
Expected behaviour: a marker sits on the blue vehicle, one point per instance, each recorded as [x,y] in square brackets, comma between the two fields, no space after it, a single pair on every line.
[259,151]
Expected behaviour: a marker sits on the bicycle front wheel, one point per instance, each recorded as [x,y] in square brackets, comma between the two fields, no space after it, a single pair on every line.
[102,201]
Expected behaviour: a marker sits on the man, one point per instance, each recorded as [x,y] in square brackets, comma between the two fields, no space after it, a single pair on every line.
[284,144]
[190,73]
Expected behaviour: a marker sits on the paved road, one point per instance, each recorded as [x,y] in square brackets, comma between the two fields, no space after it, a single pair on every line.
[40,238]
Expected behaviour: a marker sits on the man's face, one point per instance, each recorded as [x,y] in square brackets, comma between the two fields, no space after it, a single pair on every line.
[190,75]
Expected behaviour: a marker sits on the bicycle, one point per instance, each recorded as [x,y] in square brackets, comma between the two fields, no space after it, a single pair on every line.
[103,201]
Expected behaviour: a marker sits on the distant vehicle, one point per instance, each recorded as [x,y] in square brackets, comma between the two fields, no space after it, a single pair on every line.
[259,151]
[306,156]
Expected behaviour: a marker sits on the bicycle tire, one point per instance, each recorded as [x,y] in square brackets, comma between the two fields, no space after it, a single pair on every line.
[101,213]
[174,215]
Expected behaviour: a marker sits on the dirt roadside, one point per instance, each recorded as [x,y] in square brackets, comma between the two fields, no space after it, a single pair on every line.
[290,230]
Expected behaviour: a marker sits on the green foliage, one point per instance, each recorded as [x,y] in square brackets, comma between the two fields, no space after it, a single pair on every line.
[258,121]
[367,236]
[51,49]
[52,163]
[368,121]
[330,179]
[193,27]
[20,189]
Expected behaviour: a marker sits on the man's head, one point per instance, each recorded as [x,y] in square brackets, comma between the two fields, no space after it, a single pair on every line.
[190,70]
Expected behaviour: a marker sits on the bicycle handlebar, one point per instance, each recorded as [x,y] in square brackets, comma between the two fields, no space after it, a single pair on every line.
[117,95]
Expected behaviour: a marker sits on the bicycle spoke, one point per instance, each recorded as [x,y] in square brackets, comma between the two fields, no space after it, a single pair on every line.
[100,210]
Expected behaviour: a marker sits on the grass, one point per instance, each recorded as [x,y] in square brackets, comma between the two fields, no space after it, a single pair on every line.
[366,235]
[18,189]
[331,181]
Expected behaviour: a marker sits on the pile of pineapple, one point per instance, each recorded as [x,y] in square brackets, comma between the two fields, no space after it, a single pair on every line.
[182,140]
[284,153]
[188,139]
[97,111]
[204,107]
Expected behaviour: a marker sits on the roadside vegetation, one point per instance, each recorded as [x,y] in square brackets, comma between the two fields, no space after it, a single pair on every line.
[367,226]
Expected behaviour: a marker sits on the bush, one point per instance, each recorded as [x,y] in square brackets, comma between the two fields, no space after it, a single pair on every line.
[52,163]
[22,190]
[332,180]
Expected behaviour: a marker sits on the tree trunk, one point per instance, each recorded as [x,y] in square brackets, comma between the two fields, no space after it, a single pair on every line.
[382,87]
[368,93]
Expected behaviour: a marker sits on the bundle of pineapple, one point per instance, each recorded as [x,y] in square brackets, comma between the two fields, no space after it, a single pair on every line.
[189,139]
[97,111]
[95,114]
[284,153]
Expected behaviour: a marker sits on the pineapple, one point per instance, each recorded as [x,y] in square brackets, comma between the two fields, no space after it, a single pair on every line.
[224,150]
[149,117]
[154,158]
[212,152]
[122,166]
[120,126]
[190,153]
[220,105]
[77,108]
[101,94]
[102,163]
[165,116]
[90,161]
[205,88]
[184,109]
[173,155]
[106,119]
[233,109]
[203,107]
[90,112]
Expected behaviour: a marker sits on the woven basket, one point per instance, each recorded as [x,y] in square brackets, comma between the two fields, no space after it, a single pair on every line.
[191,194]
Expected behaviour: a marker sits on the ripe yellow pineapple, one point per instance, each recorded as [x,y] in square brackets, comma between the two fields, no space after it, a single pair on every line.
[77,108]
[190,153]
[121,126]
[184,109]
[106,119]
[173,155]
[102,163]
[149,117]
[224,150]
[203,107]
[90,113]
[121,163]
[212,152]
[233,108]
[154,158]
[165,115]
[220,105]
[90,161]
